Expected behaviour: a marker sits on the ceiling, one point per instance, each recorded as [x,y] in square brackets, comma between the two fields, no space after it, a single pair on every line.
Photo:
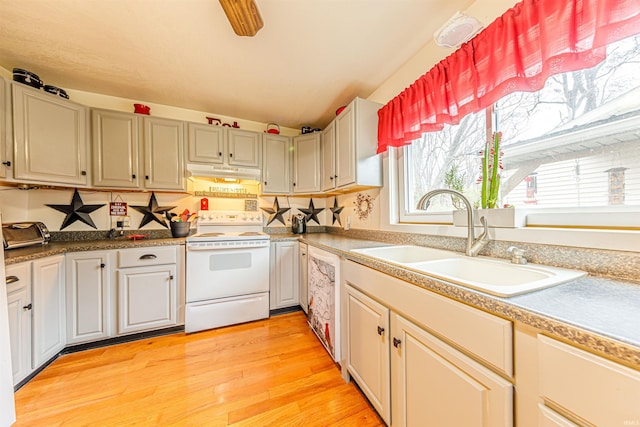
[311,56]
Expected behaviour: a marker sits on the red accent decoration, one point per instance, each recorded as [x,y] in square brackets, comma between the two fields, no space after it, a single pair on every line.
[517,52]
[326,334]
[137,236]
[204,204]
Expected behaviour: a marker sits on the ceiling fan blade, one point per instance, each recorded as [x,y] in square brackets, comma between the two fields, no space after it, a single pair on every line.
[243,15]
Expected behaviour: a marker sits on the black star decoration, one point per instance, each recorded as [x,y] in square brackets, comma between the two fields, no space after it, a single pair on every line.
[311,214]
[153,212]
[335,210]
[76,211]
[275,212]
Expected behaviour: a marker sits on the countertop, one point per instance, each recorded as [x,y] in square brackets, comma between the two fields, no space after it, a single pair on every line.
[600,314]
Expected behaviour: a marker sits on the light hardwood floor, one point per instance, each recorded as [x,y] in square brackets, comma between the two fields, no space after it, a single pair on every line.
[266,373]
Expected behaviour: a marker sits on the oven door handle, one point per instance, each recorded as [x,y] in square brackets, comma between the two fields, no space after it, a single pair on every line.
[225,248]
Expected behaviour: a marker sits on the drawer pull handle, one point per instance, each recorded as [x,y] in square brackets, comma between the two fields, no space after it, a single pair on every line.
[27,307]
[12,279]
[148,256]
[380,330]
[396,342]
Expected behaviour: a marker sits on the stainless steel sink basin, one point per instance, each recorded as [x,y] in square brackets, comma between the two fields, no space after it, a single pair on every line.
[404,254]
[496,277]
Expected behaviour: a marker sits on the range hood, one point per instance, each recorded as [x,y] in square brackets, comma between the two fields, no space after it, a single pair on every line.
[222,171]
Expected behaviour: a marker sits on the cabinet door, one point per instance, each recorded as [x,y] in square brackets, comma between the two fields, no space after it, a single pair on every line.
[431,383]
[276,164]
[115,143]
[329,157]
[284,289]
[88,280]
[303,267]
[4,119]
[206,144]
[346,147]
[368,349]
[49,322]
[244,148]
[50,138]
[306,163]
[147,298]
[164,154]
[19,303]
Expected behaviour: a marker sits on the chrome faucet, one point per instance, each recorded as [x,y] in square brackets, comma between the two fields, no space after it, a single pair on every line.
[473,245]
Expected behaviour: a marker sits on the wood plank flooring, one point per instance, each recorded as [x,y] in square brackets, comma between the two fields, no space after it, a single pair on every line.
[266,373]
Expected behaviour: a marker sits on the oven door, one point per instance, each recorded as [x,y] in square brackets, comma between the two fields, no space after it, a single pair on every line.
[216,272]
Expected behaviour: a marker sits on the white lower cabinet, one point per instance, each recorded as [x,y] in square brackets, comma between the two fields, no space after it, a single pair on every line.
[425,371]
[579,388]
[303,267]
[49,317]
[368,349]
[283,281]
[18,278]
[88,282]
[434,384]
[147,289]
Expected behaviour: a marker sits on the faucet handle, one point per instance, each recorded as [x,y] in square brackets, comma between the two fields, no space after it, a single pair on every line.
[517,255]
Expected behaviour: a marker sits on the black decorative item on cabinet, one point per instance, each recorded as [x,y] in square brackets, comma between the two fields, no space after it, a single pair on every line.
[153,212]
[76,211]
[312,213]
[275,212]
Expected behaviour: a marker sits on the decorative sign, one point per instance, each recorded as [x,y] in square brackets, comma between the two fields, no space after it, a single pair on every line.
[225,195]
[228,190]
[118,209]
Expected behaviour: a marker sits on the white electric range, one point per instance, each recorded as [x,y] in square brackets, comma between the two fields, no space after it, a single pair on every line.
[227,270]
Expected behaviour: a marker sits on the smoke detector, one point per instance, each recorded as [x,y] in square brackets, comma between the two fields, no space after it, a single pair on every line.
[457,30]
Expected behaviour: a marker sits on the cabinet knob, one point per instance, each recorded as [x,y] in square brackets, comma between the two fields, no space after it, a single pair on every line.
[12,279]
[148,256]
[27,307]
[331,178]
[230,154]
[133,176]
[7,164]
[265,183]
[335,176]
[146,177]
[102,265]
[380,330]
[83,173]
[294,184]
[220,153]
[396,342]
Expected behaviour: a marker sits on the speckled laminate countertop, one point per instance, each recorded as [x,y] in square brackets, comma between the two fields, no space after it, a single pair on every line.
[598,313]
[29,253]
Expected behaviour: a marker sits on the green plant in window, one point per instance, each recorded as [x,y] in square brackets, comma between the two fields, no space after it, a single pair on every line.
[454,180]
[491,166]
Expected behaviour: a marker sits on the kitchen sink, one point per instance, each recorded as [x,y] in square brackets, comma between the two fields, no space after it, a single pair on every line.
[493,276]
[404,254]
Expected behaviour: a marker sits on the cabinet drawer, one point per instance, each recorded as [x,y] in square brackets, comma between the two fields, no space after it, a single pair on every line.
[139,257]
[595,389]
[481,334]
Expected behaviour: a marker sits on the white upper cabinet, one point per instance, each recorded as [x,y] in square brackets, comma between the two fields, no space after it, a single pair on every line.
[5,160]
[50,138]
[207,144]
[306,163]
[244,148]
[115,139]
[137,152]
[328,150]
[163,153]
[356,141]
[276,164]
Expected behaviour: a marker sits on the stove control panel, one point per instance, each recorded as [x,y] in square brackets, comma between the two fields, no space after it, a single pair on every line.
[229,218]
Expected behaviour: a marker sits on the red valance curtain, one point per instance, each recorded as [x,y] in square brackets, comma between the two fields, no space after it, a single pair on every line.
[517,52]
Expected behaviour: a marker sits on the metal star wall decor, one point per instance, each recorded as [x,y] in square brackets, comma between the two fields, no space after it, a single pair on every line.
[335,210]
[276,212]
[76,211]
[153,212]
[311,214]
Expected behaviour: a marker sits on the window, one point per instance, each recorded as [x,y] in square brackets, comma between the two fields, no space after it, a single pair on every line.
[573,144]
